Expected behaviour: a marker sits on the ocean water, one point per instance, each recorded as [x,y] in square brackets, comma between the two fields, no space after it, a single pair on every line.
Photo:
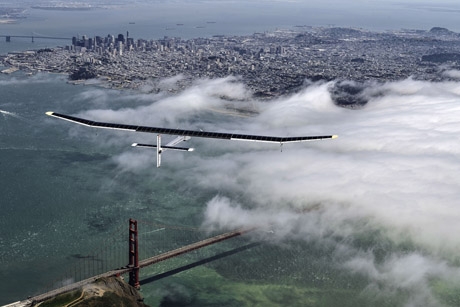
[41,204]
[62,195]
[361,239]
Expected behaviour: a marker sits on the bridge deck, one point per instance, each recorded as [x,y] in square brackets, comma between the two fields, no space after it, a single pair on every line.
[37,36]
[191,247]
[143,263]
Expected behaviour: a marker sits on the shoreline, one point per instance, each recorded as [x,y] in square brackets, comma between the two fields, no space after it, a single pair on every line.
[270,64]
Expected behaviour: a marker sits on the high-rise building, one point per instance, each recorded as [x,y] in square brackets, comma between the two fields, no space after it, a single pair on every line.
[121,38]
[130,42]
[98,41]
[120,48]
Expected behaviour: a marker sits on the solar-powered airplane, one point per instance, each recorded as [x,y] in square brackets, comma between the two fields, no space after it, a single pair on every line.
[185,135]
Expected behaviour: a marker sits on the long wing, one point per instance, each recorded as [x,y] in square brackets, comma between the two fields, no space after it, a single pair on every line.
[190,133]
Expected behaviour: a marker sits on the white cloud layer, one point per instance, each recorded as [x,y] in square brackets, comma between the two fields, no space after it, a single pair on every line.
[453,73]
[394,167]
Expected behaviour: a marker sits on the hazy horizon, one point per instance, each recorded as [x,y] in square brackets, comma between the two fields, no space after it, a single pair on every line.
[241,17]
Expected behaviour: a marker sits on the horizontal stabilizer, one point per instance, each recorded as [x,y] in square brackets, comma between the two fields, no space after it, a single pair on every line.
[162,147]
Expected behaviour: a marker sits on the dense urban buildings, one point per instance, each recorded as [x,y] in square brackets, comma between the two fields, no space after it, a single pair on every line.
[270,64]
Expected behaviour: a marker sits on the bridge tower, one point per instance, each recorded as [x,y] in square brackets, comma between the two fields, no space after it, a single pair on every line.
[133,254]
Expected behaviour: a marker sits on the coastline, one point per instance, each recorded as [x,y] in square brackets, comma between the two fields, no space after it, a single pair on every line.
[270,64]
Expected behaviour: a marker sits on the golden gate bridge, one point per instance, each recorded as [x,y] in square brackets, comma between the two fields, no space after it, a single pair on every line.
[128,250]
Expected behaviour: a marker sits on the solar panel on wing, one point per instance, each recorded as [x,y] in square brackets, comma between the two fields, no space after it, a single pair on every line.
[187,133]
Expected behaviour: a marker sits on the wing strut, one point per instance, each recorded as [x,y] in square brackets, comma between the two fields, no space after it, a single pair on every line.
[158,150]
[170,146]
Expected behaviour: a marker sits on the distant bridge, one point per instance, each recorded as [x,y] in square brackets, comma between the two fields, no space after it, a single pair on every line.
[92,270]
[33,37]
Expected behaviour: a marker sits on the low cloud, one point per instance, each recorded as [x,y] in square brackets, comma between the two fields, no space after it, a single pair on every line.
[36,78]
[411,273]
[394,169]
[454,74]
[395,159]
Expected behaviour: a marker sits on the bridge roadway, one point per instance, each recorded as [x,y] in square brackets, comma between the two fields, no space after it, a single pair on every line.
[8,37]
[146,262]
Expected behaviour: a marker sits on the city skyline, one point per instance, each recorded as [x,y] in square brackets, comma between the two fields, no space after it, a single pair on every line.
[261,59]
